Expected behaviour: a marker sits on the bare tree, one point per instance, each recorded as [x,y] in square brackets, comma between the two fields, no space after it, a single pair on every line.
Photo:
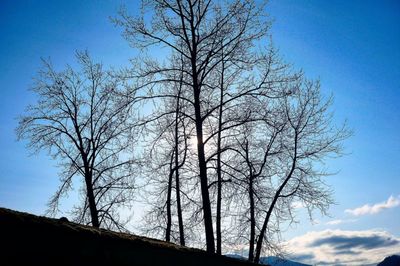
[179,149]
[179,164]
[275,163]
[84,122]
[228,85]
[243,99]
[254,146]
[166,153]
[256,152]
[307,140]
[193,29]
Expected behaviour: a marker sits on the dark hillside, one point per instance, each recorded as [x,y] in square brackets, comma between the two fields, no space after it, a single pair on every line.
[393,260]
[32,240]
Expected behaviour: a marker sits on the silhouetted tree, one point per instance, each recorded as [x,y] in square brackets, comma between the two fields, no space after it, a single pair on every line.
[83,121]
[243,101]
[229,85]
[263,149]
[193,29]
[260,131]
[167,152]
[305,139]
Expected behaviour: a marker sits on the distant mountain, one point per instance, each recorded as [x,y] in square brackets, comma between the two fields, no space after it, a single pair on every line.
[271,260]
[235,256]
[275,261]
[393,260]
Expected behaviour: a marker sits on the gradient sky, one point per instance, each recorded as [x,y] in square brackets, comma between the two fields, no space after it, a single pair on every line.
[352,46]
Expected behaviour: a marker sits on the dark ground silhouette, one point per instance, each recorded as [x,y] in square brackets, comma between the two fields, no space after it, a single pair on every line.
[33,240]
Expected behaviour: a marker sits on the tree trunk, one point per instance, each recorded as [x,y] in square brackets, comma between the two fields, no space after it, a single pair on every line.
[219,174]
[251,202]
[208,224]
[168,202]
[178,196]
[219,198]
[91,200]
[271,207]
[263,229]
[179,209]
[252,219]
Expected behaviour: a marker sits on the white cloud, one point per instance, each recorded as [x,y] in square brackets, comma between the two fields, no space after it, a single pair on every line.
[298,205]
[338,247]
[376,208]
[339,221]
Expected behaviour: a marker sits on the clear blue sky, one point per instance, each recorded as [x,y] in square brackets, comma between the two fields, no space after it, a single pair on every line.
[352,46]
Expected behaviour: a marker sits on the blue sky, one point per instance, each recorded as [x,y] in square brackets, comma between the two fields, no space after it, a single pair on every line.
[352,46]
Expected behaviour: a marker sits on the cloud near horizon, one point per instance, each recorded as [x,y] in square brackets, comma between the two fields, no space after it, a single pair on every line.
[340,221]
[341,247]
[391,202]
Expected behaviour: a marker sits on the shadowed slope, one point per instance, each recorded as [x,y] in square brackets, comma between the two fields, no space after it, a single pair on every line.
[39,240]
